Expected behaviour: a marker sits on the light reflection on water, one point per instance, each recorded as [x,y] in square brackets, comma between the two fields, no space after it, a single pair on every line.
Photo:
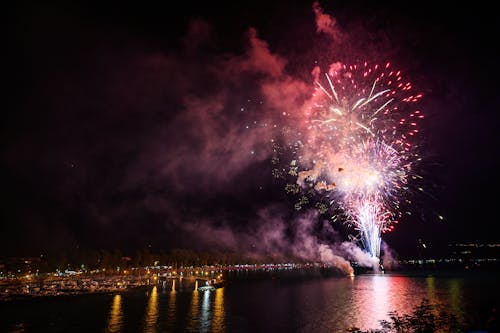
[361,301]
[455,298]
[374,296]
[329,304]
[377,301]
[218,312]
[431,288]
[115,315]
[194,312]
[205,312]
[171,311]
[151,317]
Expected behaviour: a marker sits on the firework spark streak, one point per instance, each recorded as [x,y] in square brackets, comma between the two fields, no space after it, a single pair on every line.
[358,147]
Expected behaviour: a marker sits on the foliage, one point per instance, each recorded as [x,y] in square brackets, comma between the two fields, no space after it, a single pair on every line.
[425,318]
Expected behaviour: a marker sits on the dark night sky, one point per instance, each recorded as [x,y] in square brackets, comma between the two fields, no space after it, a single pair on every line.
[123,126]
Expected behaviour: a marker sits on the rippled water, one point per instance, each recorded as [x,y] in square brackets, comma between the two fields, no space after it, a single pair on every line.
[269,304]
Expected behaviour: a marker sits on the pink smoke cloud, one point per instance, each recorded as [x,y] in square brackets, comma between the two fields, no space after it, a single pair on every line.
[389,257]
[326,23]
[213,138]
[260,59]
[223,124]
[355,253]
[269,236]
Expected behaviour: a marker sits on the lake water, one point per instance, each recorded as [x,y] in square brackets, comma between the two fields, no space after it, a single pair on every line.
[250,302]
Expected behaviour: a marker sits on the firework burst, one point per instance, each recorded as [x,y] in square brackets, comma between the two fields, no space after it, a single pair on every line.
[358,146]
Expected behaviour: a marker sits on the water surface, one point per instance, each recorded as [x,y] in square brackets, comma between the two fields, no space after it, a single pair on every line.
[271,303]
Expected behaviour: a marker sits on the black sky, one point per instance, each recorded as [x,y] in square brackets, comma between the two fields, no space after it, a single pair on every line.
[95,119]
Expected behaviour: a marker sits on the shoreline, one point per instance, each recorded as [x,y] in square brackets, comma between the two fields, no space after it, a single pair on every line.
[51,287]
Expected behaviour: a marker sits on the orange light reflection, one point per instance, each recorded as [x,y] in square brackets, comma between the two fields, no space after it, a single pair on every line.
[115,321]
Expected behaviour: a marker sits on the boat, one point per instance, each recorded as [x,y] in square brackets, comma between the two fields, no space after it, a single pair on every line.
[211,285]
[206,288]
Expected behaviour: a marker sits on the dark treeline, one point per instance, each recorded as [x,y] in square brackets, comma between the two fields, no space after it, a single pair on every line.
[116,260]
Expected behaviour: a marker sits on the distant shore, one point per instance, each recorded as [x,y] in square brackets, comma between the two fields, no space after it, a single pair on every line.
[98,282]
[80,282]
